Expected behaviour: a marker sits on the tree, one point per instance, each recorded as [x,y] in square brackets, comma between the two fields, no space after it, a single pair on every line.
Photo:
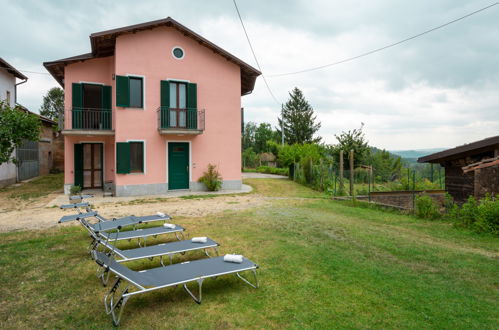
[386,166]
[53,105]
[263,134]
[298,120]
[249,135]
[355,140]
[16,125]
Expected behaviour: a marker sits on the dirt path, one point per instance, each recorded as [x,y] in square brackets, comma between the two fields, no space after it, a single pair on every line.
[40,216]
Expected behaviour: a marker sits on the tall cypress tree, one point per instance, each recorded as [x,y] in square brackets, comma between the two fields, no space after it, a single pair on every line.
[298,120]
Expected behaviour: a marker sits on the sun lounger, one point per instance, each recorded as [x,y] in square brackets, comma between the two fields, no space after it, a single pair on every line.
[149,252]
[163,277]
[75,205]
[105,225]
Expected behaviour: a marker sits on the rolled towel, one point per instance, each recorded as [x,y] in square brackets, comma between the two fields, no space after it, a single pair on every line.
[169,225]
[236,258]
[199,239]
[160,214]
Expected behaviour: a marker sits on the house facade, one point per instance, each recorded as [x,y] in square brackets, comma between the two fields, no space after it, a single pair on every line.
[149,108]
[34,157]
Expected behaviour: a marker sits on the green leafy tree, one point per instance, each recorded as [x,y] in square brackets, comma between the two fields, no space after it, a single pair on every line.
[386,166]
[53,105]
[353,139]
[298,120]
[249,135]
[16,125]
[263,134]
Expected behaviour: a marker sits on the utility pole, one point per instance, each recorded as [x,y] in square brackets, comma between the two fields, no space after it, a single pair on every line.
[282,124]
[342,189]
[351,173]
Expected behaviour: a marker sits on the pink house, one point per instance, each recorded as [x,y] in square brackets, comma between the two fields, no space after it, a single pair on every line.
[149,108]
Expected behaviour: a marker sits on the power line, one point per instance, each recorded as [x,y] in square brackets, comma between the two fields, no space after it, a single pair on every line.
[34,72]
[254,55]
[385,47]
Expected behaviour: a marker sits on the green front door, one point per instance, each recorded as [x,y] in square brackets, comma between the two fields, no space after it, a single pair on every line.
[178,165]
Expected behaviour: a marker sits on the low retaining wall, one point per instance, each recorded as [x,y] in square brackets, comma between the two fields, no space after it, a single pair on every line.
[404,199]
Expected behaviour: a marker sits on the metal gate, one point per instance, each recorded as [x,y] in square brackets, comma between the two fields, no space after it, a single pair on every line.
[29,164]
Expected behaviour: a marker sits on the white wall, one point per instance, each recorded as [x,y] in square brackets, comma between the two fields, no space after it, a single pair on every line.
[8,171]
[7,83]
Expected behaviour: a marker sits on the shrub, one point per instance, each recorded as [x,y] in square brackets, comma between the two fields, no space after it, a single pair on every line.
[488,216]
[272,170]
[75,190]
[426,207]
[250,158]
[211,178]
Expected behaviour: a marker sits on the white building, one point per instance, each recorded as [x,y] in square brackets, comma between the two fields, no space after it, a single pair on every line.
[8,84]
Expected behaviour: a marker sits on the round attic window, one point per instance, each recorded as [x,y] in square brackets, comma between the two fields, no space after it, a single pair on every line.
[178,53]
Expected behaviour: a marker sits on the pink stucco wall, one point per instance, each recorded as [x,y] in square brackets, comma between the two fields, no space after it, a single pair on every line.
[148,54]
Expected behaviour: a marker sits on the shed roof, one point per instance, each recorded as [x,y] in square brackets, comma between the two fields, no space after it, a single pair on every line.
[476,147]
[10,69]
[103,44]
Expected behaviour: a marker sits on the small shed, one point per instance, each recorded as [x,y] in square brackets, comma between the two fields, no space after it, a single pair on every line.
[470,169]
[268,159]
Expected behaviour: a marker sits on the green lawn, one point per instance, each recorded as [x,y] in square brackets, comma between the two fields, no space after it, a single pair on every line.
[35,188]
[323,264]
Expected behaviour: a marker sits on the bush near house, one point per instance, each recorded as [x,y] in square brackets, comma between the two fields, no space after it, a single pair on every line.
[212,178]
[426,208]
[481,216]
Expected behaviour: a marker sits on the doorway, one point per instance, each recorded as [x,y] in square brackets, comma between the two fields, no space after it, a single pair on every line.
[89,165]
[178,165]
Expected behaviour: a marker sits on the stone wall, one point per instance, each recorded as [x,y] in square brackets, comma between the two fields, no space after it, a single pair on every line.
[50,149]
[486,181]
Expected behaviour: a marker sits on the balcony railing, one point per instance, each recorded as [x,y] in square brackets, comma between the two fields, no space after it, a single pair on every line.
[189,120]
[91,119]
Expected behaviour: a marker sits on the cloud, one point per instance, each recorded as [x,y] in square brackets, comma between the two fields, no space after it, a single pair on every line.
[437,90]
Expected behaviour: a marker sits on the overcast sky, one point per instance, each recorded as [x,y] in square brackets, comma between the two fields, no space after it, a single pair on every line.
[440,90]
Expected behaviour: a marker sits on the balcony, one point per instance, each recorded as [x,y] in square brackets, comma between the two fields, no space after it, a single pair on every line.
[88,121]
[180,121]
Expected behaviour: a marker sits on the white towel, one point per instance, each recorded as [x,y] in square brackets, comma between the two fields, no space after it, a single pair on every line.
[199,239]
[160,214]
[169,225]
[237,258]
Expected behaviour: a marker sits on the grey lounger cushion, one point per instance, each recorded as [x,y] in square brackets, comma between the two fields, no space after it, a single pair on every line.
[163,249]
[176,273]
[139,233]
[72,217]
[75,206]
[80,197]
[126,221]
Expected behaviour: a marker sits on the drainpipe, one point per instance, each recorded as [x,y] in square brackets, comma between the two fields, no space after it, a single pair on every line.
[15,89]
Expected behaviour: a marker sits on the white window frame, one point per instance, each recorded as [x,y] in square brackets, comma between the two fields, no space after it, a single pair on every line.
[132,75]
[183,53]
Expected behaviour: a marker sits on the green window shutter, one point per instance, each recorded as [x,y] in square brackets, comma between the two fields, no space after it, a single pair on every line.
[192,96]
[106,97]
[106,107]
[78,164]
[122,91]
[77,91]
[165,103]
[192,105]
[122,157]
[165,93]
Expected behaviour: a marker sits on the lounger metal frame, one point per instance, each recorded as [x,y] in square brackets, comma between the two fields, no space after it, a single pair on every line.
[116,299]
[114,251]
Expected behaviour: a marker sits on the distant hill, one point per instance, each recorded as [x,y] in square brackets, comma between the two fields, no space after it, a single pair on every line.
[414,154]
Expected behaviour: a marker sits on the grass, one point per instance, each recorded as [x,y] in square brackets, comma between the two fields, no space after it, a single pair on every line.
[38,187]
[323,264]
